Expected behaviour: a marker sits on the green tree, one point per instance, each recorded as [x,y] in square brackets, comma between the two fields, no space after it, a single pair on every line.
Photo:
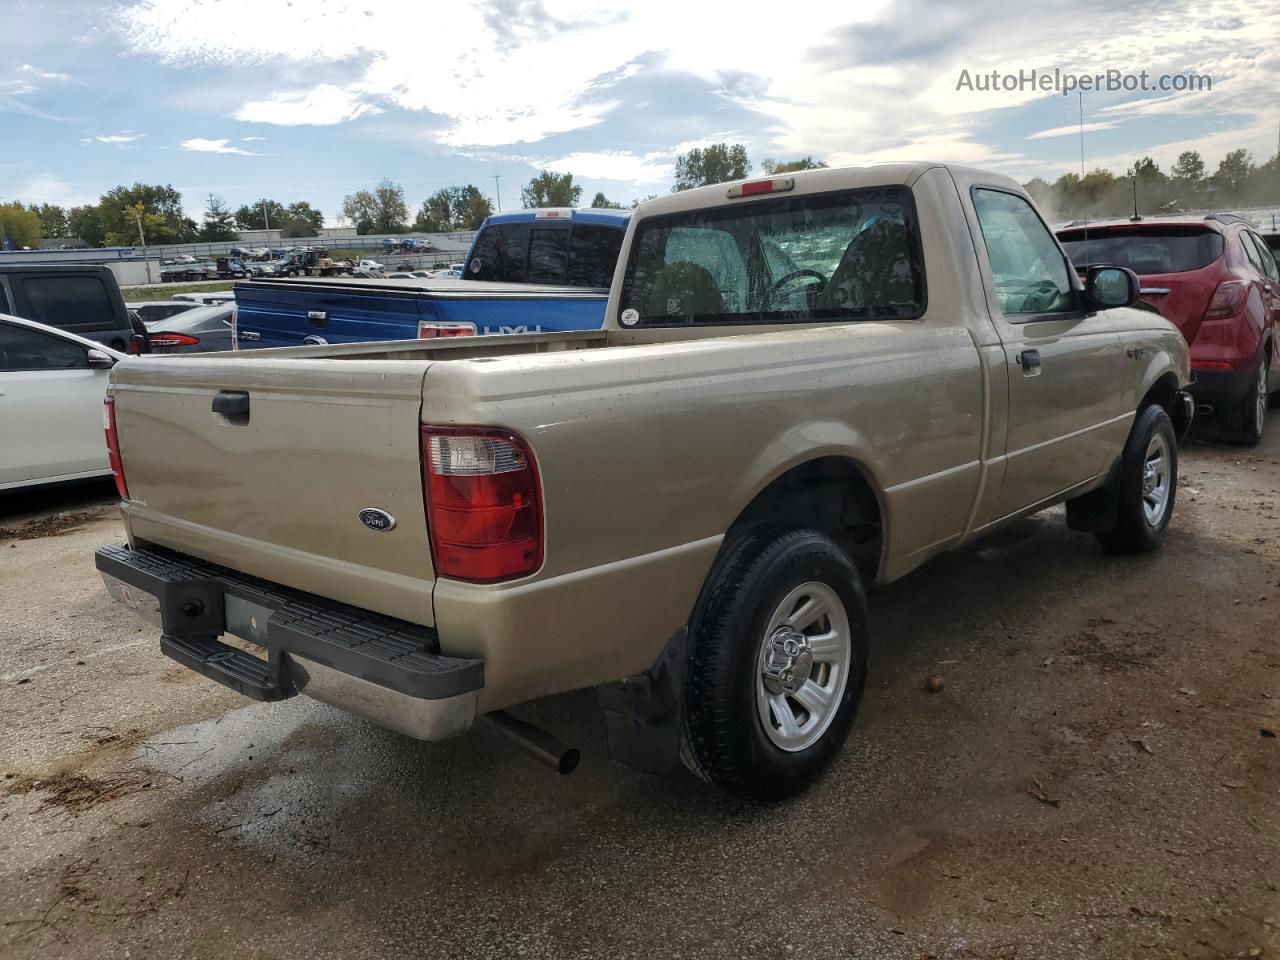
[361,209]
[219,223]
[86,224]
[453,208]
[1189,167]
[53,219]
[20,226]
[639,200]
[717,163]
[775,167]
[293,228]
[601,202]
[549,189]
[1233,170]
[305,211]
[391,213]
[262,214]
[165,221]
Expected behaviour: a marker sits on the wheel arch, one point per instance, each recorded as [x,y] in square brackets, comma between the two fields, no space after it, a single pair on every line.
[832,492]
[1163,391]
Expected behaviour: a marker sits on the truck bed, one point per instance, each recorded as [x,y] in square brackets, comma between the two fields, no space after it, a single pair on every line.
[274,313]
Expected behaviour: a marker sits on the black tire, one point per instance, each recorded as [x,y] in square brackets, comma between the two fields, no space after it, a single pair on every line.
[1134,531]
[724,737]
[1244,422]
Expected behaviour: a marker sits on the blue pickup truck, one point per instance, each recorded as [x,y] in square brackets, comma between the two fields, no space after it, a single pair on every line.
[527,271]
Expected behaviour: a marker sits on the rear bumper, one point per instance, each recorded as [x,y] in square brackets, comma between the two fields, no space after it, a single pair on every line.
[386,670]
[1221,389]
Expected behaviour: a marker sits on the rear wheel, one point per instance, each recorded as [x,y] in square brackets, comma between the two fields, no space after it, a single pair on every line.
[1148,485]
[1244,422]
[778,660]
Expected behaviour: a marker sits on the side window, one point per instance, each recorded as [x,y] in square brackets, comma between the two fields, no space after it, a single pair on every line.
[501,253]
[1031,275]
[72,303]
[1266,262]
[1250,253]
[24,349]
[593,255]
[4,301]
[548,255]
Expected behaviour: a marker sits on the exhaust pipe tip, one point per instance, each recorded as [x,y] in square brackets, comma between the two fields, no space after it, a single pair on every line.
[543,746]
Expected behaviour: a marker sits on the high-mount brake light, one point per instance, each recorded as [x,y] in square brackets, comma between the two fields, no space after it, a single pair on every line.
[553,213]
[429,330]
[755,188]
[113,446]
[166,339]
[1227,300]
[484,505]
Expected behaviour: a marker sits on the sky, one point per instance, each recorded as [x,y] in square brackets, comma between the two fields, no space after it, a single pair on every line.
[315,99]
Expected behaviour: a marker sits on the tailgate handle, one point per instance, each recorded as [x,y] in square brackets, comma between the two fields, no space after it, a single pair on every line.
[232,404]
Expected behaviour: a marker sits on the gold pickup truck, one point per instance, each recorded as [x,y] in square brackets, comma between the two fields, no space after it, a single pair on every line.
[806,385]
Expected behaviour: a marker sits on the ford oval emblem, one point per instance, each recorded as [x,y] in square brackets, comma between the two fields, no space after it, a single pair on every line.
[376,519]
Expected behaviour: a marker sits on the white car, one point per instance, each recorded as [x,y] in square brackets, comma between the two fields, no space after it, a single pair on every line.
[52,388]
[369,265]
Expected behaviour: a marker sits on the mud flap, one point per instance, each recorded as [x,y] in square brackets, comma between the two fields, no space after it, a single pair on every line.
[645,713]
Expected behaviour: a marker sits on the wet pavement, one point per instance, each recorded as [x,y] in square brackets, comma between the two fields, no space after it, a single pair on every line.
[1095,779]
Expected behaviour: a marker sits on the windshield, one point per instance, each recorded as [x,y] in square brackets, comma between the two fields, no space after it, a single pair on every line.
[852,255]
[1146,250]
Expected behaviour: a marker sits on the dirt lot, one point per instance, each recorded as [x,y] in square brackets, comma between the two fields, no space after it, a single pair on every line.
[1099,777]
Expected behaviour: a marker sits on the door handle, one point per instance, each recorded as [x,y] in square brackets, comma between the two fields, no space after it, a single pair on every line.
[232,404]
[1030,362]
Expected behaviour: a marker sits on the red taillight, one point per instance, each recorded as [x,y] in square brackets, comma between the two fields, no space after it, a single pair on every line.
[1210,365]
[428,330]
[483,506]
[1227,300]
[113,447]
[754,188]
[173,340]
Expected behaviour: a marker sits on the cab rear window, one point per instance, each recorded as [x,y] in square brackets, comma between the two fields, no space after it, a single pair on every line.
[559,254]
[850,255]
[1144,250]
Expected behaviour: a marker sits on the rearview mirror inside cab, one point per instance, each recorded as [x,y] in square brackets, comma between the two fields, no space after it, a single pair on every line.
[1112,287]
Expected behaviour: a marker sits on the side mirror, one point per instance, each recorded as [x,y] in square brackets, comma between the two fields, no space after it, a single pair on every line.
[1108,287]
[100,359]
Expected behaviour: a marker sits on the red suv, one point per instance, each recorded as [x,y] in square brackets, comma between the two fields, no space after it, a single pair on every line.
[1216,280]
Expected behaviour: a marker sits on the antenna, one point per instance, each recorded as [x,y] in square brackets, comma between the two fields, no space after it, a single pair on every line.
[1136,216]
[1087,252]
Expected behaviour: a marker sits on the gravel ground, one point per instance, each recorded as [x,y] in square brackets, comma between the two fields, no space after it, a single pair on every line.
[1098,777]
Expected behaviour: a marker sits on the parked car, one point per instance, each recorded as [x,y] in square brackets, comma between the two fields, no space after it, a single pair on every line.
[83,300]
[52,387]
[806,384]
[202,330]
[149,311]
[1216,280]
[207,299]
[368,265]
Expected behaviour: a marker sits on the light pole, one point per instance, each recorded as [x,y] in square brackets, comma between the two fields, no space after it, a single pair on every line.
[142,237]
[497,189]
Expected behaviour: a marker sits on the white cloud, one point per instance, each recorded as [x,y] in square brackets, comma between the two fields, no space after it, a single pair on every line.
[39,74]
[613,165]
[845,83]
[1073,130]
[223,145]
[250,139]
[323,105]
[46,188]
[125,137]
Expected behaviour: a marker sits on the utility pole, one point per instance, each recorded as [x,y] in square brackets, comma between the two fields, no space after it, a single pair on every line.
[142,237]
[497,191]
[266,221]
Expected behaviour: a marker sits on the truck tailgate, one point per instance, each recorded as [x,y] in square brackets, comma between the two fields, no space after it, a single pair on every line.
[279,493]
